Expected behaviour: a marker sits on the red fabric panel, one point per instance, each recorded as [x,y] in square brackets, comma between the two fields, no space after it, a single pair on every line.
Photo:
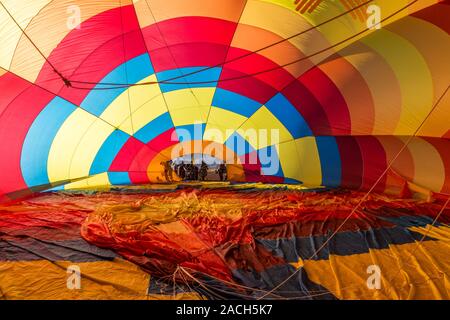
[188,42]
[250,87]
[163,141]
[438,15]
[188,55]
[126,155]
[330,98]
[277,78]
[351,162]
[252,171]
[15,121]
[139,165]
[11,86]
[101,52]
[188,30]
[374,162]
[309,107]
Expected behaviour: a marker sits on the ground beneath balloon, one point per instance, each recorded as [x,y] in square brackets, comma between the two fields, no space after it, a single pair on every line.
[224,242]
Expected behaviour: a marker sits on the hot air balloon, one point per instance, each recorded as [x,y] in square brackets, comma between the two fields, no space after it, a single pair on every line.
[329,117]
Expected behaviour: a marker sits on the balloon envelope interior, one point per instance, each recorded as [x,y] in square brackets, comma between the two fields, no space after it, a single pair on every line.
[278,94]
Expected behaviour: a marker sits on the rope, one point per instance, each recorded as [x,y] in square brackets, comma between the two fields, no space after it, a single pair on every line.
[169,81]
[69,83]
[366,195]
[166,44]
[115,86]
[64,79]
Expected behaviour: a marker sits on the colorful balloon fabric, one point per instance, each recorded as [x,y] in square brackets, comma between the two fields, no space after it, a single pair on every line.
[278,244]
[107,104]
[40,240]
[223,241]
[98,96]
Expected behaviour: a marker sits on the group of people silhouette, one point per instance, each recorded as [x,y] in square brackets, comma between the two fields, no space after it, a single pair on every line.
[190,171]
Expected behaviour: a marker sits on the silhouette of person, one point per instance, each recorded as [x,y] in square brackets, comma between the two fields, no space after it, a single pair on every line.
[203,171]
[182,171]
[189,171]
[176,168]
[222,171]
[168,171]
[195,172]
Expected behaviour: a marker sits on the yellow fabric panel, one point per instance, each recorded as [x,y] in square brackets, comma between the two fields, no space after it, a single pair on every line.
[383,85]
[429,170]
[145,103]
[333,32]
[413,76]
[284,23]
[310,171]
[178,296]
[338,29]
[422,275]
[99,280]
[145,113]
[189,115]
[262,120]
[190,97]
[442,233]
[431,41]
[287,152]
[143,13]
[223,121]
[46,22]
[75,146]
[43,280]
[327,10]
[118,113]
[10,34]
[189,106]
[98,181]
